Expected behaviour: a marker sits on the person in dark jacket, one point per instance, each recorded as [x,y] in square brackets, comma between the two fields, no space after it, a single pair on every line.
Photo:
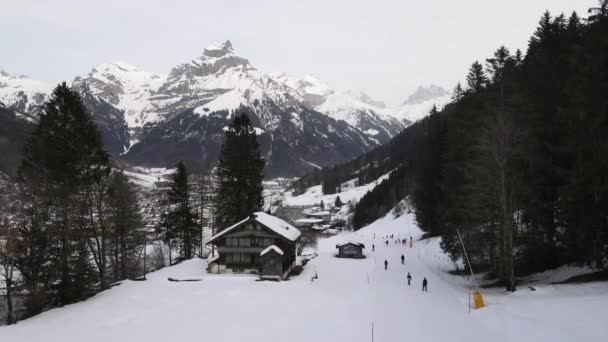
[373,248]
[409,279]
[424,285]
[402,259]
[385,264]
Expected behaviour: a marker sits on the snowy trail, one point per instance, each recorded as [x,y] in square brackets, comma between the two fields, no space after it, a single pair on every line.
[399,311]
[348,296]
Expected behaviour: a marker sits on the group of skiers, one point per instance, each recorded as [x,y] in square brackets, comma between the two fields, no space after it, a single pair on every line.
[409,276]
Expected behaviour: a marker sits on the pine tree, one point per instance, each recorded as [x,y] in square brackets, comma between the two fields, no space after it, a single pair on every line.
[180,221]
[338,202]
[62,160]
[476,78]
[125,220]
[240,173]
[322,205]
[458,92]
[599,12]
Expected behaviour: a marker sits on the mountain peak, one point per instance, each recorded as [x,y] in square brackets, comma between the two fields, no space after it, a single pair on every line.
[218,49]
[365,98]
[423,94]
[118,65]
[4,73]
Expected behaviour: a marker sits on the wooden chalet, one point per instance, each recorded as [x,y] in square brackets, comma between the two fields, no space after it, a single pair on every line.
[260,244]
[350,250]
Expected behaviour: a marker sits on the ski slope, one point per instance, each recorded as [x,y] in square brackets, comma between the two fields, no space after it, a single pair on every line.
[342,304]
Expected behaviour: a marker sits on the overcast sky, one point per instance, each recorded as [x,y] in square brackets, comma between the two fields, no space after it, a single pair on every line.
[386,48]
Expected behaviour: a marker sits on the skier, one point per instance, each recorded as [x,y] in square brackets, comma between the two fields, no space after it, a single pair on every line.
[386,264]
[373,247]
[409,278]
[402,259]
[424,285]
[387,243]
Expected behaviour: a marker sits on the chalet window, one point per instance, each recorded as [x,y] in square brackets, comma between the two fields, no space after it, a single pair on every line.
[267,242]
[245,242]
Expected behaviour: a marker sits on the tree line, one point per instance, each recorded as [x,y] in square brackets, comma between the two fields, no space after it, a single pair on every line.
[516,163]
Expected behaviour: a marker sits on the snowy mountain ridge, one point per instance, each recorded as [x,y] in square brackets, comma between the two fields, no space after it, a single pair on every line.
[420,102]
[155,120]
[126,87]
[22,93]
[354,107]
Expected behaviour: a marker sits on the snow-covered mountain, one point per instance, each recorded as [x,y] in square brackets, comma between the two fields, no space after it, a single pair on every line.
[182,115]
[354,107]
[312,90]
[419,104]
[126,87]
[156,119]
[22,93]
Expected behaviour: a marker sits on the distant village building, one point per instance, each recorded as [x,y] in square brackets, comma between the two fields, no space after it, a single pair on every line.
[350,250]
[324,216]
[260,244]
[308,222]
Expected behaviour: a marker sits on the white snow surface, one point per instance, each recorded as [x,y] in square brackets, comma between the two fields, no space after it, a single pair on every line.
[314,195]
[148,177]
[342,304]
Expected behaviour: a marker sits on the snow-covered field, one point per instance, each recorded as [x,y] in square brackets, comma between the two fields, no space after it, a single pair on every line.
[348,297]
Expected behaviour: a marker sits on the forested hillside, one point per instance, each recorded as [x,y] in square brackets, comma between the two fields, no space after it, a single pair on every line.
[516,163]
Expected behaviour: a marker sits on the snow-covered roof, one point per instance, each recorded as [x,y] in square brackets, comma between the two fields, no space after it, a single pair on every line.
[273,223]
[279,226]
[319,213]
[309,220]
[350,243]
[271,248]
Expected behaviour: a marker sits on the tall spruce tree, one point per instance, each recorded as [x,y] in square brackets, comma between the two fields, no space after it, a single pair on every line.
[125,220]
[240,173]
[62,160]
[180,219]
[476,78]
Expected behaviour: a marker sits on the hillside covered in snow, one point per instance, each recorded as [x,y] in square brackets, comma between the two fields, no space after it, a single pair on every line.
[332,299]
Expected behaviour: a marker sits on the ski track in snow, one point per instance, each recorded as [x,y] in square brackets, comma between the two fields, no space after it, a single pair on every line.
[342,304]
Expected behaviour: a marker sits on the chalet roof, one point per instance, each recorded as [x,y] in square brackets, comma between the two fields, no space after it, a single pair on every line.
[319,213]
[309,220]
[273,223]
[271,248]
[350,243]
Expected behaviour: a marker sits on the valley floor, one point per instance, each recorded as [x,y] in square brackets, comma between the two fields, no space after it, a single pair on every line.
[348,297]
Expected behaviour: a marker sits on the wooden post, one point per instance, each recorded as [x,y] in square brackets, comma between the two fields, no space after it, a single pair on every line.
[372,331]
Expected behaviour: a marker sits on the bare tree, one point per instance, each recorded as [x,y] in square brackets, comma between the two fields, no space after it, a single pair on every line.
[8,236]
[500,147]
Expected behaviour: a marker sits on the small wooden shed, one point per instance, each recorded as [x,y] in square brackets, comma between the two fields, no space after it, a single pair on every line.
[271,263]
[350,249]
